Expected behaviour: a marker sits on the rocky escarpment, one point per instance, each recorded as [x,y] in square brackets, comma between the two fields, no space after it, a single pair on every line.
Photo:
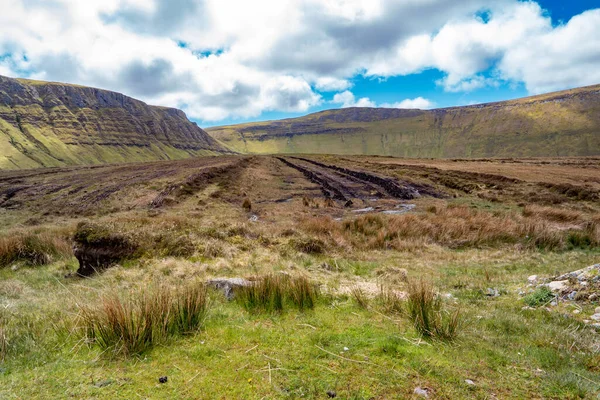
[53,124]
[563,123]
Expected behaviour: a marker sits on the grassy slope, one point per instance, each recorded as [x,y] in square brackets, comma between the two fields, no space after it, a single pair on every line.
[556,124]
[56,135]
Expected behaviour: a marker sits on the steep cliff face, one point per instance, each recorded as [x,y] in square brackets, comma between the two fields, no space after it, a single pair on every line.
[53,124]
[563,123]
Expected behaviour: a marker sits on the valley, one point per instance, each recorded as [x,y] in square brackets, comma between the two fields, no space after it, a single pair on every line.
[363,230]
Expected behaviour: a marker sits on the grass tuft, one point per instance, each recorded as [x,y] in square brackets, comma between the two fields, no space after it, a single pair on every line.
[426,311]
[33,249]
[134,324]
[3,344]
[273,292]
[391,301]
[542,295]
[309,245]
[360,298]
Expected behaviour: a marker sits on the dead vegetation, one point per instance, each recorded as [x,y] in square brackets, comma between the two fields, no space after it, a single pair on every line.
[458,227]
[33,248]
[132,324]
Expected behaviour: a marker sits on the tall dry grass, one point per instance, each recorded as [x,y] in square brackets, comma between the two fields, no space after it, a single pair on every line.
[3,344]
[426,310]
[274,292]
[552,213]
[33,248]
[132,324]
[453,227]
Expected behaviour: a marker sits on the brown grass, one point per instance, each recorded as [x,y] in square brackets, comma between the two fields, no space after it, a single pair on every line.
[552,213]
[360,297]
[3,344]
[33,248]
[132,324]
[454,227]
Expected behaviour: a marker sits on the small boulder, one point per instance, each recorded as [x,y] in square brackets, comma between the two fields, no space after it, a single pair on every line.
[419,391]
[228,285]
[557,286]
[532,279]
[593,297]
[596,317]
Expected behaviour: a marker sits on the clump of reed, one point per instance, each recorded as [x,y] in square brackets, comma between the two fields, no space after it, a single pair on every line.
[134,323]
[274,292]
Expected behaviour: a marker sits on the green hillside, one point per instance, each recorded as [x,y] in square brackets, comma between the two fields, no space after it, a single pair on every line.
[46,124]
[563,123]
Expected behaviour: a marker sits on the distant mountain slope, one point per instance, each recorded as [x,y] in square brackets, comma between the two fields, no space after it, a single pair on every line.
[56,124]
[555,124]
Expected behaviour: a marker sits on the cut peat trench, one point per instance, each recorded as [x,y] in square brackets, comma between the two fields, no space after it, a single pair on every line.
[344,184]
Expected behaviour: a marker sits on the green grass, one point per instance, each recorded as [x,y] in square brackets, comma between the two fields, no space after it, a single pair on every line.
[339,346]
[274,292]
[518,128]
[541,296]
[145,318]
[428,313]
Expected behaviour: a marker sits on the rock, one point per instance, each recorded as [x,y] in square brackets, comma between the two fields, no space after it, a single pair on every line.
[421,392]
[525,308]
[532,279]
[596,317]
[554,303]
[576,311]
[597,310]
[557,286]
[595,326]
[228,285]
[163,379]
[492,292]
[104,383]
[469,382]
[593,297]
[571,296]
[331,394]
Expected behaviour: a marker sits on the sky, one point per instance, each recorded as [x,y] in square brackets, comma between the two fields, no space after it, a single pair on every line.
[233,61]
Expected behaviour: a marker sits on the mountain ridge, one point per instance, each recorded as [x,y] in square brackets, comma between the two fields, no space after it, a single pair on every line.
[530,126]
[44,124]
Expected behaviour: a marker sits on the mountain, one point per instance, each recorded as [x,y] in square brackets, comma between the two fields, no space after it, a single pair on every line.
[45,124]
[565,123]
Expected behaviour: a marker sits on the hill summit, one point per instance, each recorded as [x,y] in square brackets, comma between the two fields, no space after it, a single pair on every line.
[46,124]
[565,123]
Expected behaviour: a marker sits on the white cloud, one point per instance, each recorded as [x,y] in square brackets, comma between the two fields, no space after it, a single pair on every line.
[419,102]
[563,57]
[243,58]
[330,84]
[347,99]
